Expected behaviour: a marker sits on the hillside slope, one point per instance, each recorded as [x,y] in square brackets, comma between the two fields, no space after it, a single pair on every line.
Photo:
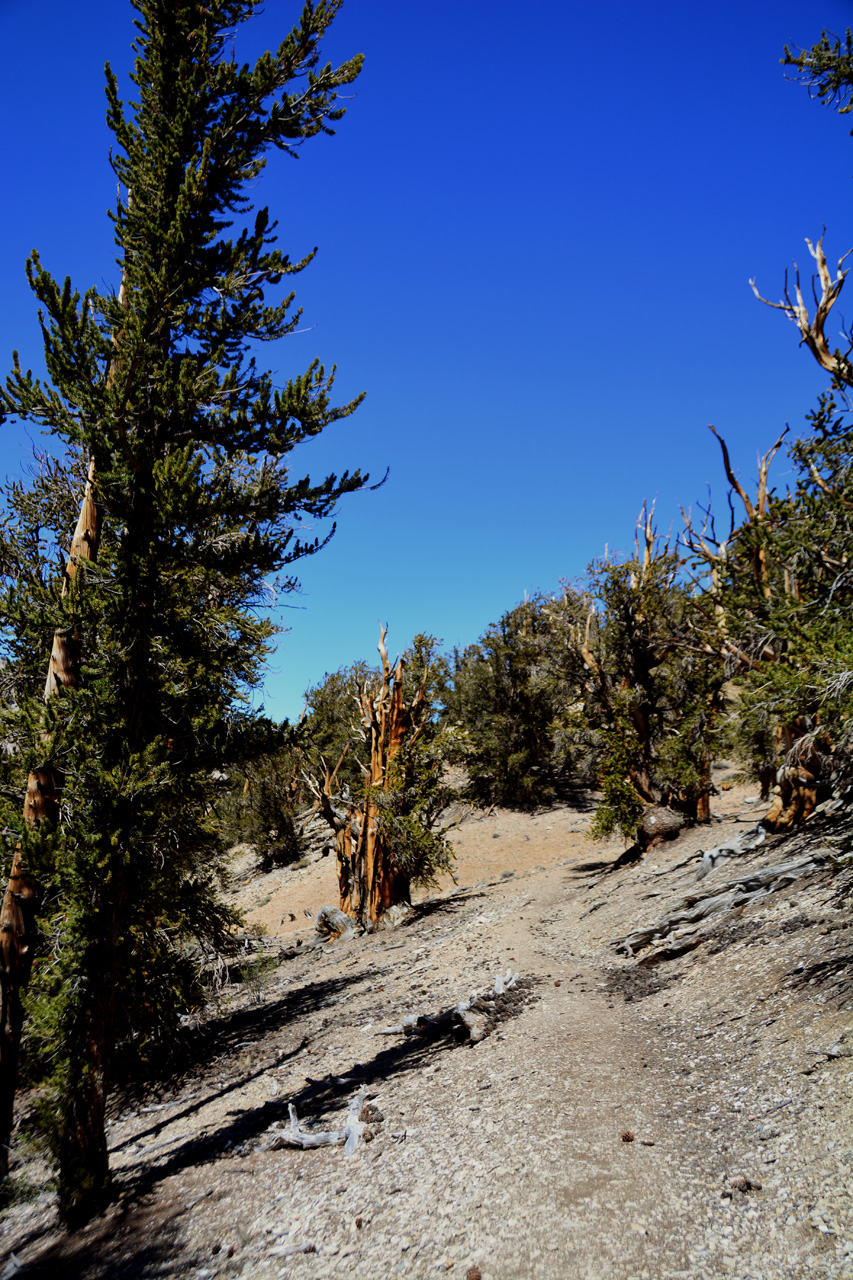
[727,1064]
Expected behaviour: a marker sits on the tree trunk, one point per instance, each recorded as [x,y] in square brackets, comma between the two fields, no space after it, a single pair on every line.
[369,878]
[84,1167]
[41,802]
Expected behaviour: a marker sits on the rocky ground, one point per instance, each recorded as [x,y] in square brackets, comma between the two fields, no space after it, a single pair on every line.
[653,1116]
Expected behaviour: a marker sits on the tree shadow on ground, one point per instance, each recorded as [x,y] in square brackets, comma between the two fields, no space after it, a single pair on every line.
[629,858]
[439,906]
[139,1236]
[835,972]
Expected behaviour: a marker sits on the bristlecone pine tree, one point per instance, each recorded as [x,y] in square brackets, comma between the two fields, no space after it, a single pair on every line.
[389,831]
[158,397]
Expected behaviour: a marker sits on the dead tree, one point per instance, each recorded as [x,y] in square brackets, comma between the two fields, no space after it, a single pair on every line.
[756,512]
[794,784]
[837,363]
[370,877]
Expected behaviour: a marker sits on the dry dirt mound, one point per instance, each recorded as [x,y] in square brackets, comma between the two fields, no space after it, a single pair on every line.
[683,1118]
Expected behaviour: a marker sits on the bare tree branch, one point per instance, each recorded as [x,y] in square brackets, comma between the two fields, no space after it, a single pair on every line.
[812,333]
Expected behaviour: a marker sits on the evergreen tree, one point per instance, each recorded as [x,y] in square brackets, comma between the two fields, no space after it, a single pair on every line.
[779,583]
[653,691]
[387,811]
[189,441]
[507,700]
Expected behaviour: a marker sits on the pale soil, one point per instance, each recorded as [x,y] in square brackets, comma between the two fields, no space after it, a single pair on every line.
[505,1156]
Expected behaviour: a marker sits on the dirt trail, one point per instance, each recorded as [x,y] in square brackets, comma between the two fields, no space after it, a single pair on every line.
[506,1159]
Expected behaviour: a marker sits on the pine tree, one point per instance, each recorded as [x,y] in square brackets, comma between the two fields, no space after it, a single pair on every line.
[507,700]
[387,815]
[188,440]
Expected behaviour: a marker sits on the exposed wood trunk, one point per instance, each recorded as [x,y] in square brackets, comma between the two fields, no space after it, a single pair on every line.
[369,877]
[41,802]
[756,512]
[836,363]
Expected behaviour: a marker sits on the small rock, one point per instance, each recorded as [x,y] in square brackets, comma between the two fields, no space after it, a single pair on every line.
[626,1135]
[740,1182]
[474,1273]
[767,1131]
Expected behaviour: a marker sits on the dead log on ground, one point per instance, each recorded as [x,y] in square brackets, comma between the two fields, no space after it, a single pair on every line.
[694,908]
[468,1022]
[744,843]
[348,1137]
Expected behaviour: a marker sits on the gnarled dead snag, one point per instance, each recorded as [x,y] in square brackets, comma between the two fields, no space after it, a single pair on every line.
[756,512]
[837,363]
[370,877]
[20,901]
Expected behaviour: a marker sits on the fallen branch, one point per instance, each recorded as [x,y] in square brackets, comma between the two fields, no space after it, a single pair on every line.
[349,1136]
[699,906]
[470,1021]
[744,843]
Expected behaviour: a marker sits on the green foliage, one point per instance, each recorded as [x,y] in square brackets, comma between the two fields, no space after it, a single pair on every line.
[621,806]
[202,519]
[827,69]
[412,809]
[332,724]
[268,816]
[652,690]
[507,701]
[800,633]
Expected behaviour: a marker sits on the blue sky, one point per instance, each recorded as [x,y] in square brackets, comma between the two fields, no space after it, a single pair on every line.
[536,226]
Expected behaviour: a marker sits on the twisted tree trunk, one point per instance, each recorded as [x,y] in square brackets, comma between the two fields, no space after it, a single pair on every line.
[369,876]
[20,901]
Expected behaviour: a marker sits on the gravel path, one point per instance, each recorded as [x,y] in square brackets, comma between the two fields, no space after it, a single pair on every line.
[676,1120]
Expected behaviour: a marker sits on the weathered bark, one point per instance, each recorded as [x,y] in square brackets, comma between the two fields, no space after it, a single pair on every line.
[756,512]
[369,877]
[836,363]
[348,1137]
[690,914]
[794,798]
[41,803]
[659,824]
[795,794]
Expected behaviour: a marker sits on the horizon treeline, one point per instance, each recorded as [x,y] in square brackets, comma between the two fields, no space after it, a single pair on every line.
[728,643]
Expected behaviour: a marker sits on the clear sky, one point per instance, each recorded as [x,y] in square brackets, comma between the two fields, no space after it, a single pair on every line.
[536,223]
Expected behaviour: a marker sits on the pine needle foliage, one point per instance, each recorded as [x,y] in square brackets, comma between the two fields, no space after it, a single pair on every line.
[158,385]
[826,69]
[506,702]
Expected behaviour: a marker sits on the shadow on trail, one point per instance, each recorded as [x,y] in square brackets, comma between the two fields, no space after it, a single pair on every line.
[140,1236]
[835,972]
[320,1102]
[439,906]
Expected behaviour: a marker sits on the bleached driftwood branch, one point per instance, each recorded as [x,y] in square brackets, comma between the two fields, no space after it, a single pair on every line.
[470,1017]
[331,922]
[349,1136]
[694,908]
[811,329]
[744,843]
